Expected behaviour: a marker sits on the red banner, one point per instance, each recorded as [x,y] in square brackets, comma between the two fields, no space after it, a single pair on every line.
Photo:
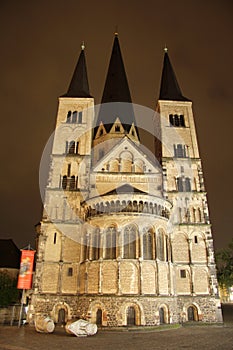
[26,268]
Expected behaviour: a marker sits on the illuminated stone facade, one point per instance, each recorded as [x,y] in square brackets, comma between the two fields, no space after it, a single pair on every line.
[125,239]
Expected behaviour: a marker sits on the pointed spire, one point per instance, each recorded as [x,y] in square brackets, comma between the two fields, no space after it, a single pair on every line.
[116,90]
[169,89]
[79,86]
[116,87]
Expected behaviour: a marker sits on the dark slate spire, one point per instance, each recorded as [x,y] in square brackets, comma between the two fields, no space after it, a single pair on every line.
[169,89]
[116,87]
[116,90]
[79,86]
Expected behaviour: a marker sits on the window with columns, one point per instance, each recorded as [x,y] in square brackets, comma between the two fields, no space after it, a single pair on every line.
[161,245]
[180,151]
[176,120]
[129,242]
[110,243]
[147,239]
[183,184]
[95,245]
[74,117]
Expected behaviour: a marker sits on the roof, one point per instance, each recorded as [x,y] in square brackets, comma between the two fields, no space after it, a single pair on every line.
[169,88]
[126,188]
[116,89]
[79,86]
[9,254]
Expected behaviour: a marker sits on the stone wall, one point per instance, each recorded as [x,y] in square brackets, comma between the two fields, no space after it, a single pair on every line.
[114,308]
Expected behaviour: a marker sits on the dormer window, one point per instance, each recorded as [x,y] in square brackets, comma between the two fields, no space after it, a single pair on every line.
[117,128]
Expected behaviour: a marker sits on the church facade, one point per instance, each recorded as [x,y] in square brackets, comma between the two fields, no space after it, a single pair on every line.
[125,237]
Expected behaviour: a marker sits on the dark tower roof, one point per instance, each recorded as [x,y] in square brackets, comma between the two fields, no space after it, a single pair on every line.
[116,90]
[116,87]
[79,86]
[169,89]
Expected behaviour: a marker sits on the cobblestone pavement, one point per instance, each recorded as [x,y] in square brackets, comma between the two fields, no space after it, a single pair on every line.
[193,337]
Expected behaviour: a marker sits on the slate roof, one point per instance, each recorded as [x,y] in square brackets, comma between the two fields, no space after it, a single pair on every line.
[169,88]
[79,86]
[116,89]
[126,188]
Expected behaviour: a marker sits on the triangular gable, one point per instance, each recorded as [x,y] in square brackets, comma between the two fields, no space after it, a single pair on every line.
[126,188]
[117,127]
[138,153]
[101,130]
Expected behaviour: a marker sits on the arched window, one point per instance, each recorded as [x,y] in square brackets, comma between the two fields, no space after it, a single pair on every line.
[95,245]
[182,123]
[68,118]
[180,187]
[148,245]
[74,117]
[72,183]
[64,182]
[187,185]
[129,242]
[110,243]
[135,206]
[72,147]
[177,122]
[77,147]
[80,117]
[180,151]
[160,240]
[171,119]
[85,247]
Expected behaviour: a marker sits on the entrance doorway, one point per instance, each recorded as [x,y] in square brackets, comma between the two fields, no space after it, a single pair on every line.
[131,317]
[161,315]
[192,313]
[99,317]
[61,317]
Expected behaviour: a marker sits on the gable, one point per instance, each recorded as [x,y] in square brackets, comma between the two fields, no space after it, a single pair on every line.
[126,156]
[126,188]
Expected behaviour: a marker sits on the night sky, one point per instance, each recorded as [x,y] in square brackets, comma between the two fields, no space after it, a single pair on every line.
[40,45]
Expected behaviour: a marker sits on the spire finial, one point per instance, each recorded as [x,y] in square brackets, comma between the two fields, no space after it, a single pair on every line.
[165,48]
[116,30]
[82,46]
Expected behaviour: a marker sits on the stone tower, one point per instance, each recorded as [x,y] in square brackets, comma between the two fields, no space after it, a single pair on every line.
[124,239]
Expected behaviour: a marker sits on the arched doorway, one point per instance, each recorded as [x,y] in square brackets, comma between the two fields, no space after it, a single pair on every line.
[61,320]
[131,317]
[99,317]
[161,315]
[192,313]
